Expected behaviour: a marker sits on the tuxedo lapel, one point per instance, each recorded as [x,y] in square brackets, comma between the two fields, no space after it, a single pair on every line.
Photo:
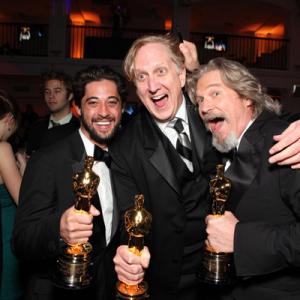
[156,152]
[246,164]
[197,131]
[78,153]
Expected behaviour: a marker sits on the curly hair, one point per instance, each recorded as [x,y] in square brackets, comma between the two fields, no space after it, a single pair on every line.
[97,73]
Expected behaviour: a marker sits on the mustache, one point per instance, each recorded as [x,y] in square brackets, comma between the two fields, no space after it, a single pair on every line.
[99,119]
[213,117]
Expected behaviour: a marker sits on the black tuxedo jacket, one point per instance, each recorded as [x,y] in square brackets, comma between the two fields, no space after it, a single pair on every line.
[266,200]
[142,165]
[46,192]
[40,136]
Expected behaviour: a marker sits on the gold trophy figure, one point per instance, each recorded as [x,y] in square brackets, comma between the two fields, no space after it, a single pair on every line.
[73,265]
[137,224]
[217,267]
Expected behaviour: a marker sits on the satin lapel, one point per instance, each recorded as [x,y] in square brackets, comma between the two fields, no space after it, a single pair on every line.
[160,160]
[245,166]
[197,131]
[78,153]
[156,152]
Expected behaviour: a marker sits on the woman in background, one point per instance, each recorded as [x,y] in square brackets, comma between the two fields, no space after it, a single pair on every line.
[11,170]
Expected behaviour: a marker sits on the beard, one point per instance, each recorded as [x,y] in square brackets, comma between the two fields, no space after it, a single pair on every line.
[228,144]
[95,136]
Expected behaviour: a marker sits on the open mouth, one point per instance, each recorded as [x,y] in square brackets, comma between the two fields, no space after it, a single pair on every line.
[215,123]
[103,125]
[160,100]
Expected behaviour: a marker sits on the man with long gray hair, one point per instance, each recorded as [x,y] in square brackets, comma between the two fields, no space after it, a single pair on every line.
[261,225]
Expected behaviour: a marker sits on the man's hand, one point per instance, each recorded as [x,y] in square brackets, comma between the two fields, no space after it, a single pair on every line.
[220,232]
[287,149]
[189,51]
[129,266]
[77,228]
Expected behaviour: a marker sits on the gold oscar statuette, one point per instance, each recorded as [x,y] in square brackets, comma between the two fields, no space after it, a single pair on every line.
[74,263]
[137,224]
[217,267]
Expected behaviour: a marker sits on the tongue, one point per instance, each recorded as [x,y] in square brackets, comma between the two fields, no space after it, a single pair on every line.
[215,126]
[161,103]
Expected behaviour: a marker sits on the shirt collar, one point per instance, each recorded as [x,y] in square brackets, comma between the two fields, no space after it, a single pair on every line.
[241,136]
[62,121]
[88,144]
[181,114]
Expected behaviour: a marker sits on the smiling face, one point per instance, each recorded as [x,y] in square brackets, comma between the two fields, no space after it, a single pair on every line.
[223,111]
[158,81]
[101,110]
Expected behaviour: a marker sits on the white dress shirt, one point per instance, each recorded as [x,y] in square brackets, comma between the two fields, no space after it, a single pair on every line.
[169,131]
[228,162]
[104,188]
[63,121]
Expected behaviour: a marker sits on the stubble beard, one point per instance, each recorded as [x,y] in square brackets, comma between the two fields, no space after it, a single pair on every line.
[102,140]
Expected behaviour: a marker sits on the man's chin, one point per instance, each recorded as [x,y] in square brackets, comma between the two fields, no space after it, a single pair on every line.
[225,145]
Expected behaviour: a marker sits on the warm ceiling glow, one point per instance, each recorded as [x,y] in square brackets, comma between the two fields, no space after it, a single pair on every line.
[168,24]
[84,18]
[76,18]
[91,17]
[274,31]
[250,28]
[260,30]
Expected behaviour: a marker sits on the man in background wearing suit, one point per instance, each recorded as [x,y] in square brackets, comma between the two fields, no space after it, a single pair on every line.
[61,122]
[45,216]
[261,225]
[148,159]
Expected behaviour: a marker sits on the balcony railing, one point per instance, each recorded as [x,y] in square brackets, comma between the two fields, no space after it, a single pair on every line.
[251,51]
[104,42]
[23,39]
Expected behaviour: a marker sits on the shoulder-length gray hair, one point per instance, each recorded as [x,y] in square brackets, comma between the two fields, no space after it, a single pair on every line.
[237,77]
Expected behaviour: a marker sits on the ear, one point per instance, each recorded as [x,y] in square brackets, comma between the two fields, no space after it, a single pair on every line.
[182,76]
[70,97]
[77,110]
[248,102]
[8,118]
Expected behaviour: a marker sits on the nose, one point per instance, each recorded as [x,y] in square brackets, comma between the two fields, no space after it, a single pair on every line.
[50,94]
[153,84]
[103,109]
[204,106]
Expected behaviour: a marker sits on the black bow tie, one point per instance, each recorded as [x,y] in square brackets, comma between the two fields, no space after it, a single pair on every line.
[102,155]
[229,155]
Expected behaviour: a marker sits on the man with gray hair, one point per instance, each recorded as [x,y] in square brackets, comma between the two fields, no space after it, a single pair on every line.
[261,225]
[170,164]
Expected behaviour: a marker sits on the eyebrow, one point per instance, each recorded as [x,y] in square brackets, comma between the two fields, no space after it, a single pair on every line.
[214,85]
[96,98]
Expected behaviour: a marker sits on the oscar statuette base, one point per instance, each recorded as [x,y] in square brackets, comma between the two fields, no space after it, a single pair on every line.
[73,268]
[217,268]
[132,292]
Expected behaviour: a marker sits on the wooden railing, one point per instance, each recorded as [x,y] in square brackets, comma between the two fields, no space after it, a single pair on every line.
[104,42]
